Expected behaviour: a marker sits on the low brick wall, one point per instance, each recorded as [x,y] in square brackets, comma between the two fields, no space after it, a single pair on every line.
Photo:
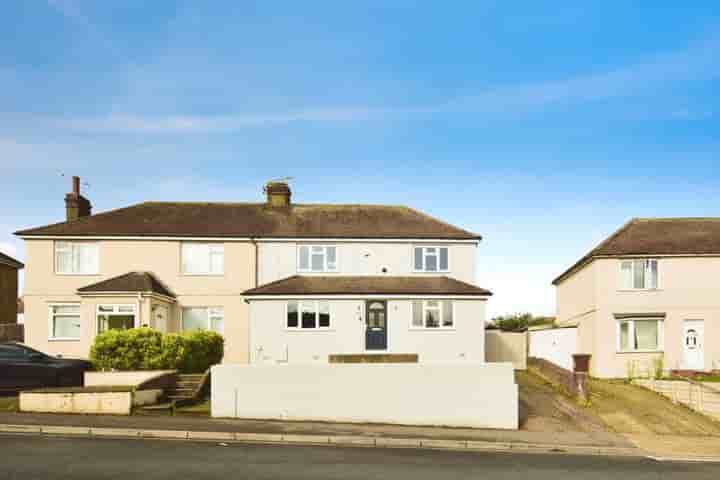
[574,383]
[12,332]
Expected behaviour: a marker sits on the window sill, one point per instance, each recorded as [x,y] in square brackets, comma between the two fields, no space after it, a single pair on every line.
[431,271]
[70,274]
[640,290]
[438,329]
[183,274]
[638,351]
[63,339]
[318,272]
[294,330]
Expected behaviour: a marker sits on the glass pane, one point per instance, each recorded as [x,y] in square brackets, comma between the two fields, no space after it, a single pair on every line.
[447,310]
[67,309]
[194,319]
[217,324]
[308,314]
[317,262]
[626,274]
[431,263]
[63,261]
[292,314]
[88,258]
[304,258]
[331,258]
[126,308]
[443,259]
[432,318]
[216,262]
[624,336]
[106,308]
[195,258]
[418,258]
[121,322]
[652,274]
[646,334]
[417,320]
[66,327]
[324,314]
[639,274]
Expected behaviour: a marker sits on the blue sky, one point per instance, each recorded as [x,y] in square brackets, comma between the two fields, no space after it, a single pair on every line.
[542,126]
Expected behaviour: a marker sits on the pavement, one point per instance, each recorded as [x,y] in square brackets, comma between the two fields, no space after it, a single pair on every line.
[54,457]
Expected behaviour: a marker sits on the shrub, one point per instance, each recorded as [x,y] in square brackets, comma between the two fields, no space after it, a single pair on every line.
[148,349]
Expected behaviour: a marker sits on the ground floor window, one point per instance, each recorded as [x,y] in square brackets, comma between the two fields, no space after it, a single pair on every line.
[640,334]
[115,317]
[307,314]
[433,314]
[64,322]
[203,318]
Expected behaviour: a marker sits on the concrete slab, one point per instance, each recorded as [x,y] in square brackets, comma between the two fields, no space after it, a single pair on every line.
[444,444]
[115,432]
[258,437]
[174,434]
[398,442]
[306,439]
[219,436]
[20,428]
[58,430]
[350,440]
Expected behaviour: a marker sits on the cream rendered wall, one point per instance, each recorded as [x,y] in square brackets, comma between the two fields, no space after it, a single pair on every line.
[688,290]
[43,287]
[279,259]
[577,304]
[271,342]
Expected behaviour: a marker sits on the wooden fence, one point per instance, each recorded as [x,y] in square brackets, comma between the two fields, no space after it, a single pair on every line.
[703,397]
[12,332]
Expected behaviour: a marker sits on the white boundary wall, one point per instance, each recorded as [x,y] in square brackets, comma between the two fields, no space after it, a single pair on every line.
[557,345]
[452,394]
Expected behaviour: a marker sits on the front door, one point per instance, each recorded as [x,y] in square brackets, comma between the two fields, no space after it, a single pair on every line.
[376,325]
[693,351]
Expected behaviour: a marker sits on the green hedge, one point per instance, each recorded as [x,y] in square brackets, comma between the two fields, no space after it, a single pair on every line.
[148,349]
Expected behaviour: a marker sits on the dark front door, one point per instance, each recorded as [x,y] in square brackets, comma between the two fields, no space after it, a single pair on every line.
[376,325]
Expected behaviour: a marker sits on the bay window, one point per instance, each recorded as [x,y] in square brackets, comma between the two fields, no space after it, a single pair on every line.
[77,258]
[433,314]
[639,274]
[202,258]
[317,258]
[307,314]
[431,259]
[115,317]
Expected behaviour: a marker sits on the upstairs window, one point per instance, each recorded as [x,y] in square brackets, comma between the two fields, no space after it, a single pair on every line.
[433,314]
[431,259]
[77,258]
[202,258]
[317,258]
[639,274]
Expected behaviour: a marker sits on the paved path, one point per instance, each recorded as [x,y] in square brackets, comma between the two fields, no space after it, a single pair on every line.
[26,457]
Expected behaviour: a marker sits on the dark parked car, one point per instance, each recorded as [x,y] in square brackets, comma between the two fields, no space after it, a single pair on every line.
[22,367]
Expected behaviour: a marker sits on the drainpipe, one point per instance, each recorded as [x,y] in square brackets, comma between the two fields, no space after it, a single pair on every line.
[257,274]
[255,244]
[138,317]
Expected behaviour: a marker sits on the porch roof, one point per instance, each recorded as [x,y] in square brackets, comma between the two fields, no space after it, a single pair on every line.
[143,282]
[367,285]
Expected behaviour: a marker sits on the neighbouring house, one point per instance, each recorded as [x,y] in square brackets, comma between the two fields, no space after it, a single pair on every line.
[20,311]
[283,282]
[647,298]
[9,268]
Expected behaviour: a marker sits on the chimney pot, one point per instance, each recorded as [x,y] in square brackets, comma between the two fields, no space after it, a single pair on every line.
[76,206]
[278,194]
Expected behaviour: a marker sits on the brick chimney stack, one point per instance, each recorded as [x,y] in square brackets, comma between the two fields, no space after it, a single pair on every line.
[278,194]
[76,206]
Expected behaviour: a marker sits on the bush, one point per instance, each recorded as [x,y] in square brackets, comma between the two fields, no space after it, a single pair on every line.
[520,321]
[148,349]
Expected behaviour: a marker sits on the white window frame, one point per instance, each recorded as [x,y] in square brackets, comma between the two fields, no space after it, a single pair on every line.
[440,308]
[214,248]
[631,334]
[115,312]
[317,326]
[51,318]
[325,267]
[72,246]
[647,267]
[426,254]
[208,313]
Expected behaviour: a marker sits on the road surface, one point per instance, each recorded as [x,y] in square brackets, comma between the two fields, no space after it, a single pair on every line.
[28,457]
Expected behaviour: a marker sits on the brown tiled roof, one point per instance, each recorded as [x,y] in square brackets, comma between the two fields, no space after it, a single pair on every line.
[258,220]
[657,236]
[8,260]
[129,282]
[367,285]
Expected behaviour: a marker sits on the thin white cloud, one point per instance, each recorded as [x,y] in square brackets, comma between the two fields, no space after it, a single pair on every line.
[69,9]
[697,62]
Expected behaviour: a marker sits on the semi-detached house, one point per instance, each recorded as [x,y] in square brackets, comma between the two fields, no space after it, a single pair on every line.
[283,282]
